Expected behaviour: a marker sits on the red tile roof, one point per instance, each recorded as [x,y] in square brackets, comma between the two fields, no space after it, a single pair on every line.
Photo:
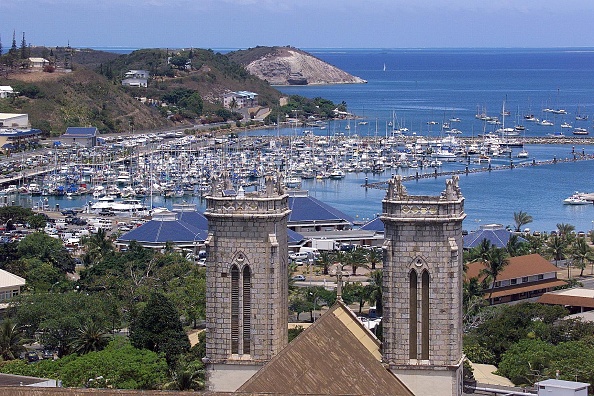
[518,267]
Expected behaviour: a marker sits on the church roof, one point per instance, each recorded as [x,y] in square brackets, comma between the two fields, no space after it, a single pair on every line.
[337,355]
[306,208]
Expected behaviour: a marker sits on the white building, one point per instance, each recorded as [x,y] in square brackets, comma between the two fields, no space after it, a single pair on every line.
[10,120]
[38,63]
[136,78]
[242,99]
[6,91]
[10,286]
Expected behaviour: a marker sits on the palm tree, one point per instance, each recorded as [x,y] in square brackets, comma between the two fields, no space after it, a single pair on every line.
[325,259]
[556,247]
[496,260]
[11,341]
[375,256]
[357,258]
[341,258]
[97,247]
[514,247]
[565,230]
[184,380]
[481,251]
[89,338]
[375,291]
[521,219]
[581,254]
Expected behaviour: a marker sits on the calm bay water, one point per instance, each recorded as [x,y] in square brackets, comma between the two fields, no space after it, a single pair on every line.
[418,86]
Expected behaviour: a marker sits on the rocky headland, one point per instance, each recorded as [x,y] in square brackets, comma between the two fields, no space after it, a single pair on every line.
[291,66]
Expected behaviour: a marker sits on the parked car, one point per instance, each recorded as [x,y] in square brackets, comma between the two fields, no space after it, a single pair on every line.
[31,357]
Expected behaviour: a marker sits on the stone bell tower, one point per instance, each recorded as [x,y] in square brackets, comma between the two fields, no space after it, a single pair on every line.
[422,288]
[246,281]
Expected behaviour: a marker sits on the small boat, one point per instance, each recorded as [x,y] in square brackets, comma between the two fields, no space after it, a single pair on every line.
[580,131]
[576,199]
[546,123]
[566,125]
[523,154]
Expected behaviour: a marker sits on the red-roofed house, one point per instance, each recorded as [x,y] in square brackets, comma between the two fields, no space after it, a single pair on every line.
[524,277]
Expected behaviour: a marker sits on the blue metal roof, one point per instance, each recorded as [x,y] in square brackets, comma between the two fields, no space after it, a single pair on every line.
[498,238]
[81,131]
[294,237]
[374,225]
[17,133]
[312,209]
[189,227]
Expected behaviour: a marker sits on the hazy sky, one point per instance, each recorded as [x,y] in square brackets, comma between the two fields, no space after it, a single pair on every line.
[303,23]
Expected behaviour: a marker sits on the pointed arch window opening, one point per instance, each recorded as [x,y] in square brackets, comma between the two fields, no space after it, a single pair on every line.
[425,315]
[247,309]
[413,314]
[234,310]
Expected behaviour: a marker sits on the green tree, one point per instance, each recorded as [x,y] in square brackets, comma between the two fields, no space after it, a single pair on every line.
[496,260]
[515,247]
[159,329]
[375,256]
[521,219]
[11,340]
[325,260]
[47,249]
[581,254]
[375,291]
[355,292]
[90,337]
[37,221]
[57,317]
[96,247]
[565,230]
[556,247]
[357,258]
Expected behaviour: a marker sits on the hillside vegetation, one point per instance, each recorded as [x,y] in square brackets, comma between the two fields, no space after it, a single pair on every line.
[55,101]
[82,87]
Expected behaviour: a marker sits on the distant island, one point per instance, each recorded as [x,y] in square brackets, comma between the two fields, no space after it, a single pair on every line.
[291,66]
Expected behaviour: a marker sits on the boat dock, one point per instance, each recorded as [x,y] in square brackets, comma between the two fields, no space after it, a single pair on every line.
[418,176]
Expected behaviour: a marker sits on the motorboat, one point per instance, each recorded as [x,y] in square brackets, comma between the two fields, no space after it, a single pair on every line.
[523,154]
[576,199]
[580,131]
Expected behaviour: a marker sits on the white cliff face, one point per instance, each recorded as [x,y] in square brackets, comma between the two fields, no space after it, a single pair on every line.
[287,66]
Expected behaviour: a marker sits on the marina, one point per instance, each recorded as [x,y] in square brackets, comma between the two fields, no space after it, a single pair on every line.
[346,172]
[417,120]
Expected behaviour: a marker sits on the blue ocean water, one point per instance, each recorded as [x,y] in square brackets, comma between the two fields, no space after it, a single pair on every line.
[424,85]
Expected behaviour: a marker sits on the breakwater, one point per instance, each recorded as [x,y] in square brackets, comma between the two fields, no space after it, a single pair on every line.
[466,171]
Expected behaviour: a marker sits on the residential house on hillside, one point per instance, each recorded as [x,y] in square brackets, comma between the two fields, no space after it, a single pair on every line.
[524,277]
[38,63]
[136,78]
[242,99]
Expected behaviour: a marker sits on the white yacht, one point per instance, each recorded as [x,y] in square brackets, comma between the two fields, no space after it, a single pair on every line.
[576,199]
